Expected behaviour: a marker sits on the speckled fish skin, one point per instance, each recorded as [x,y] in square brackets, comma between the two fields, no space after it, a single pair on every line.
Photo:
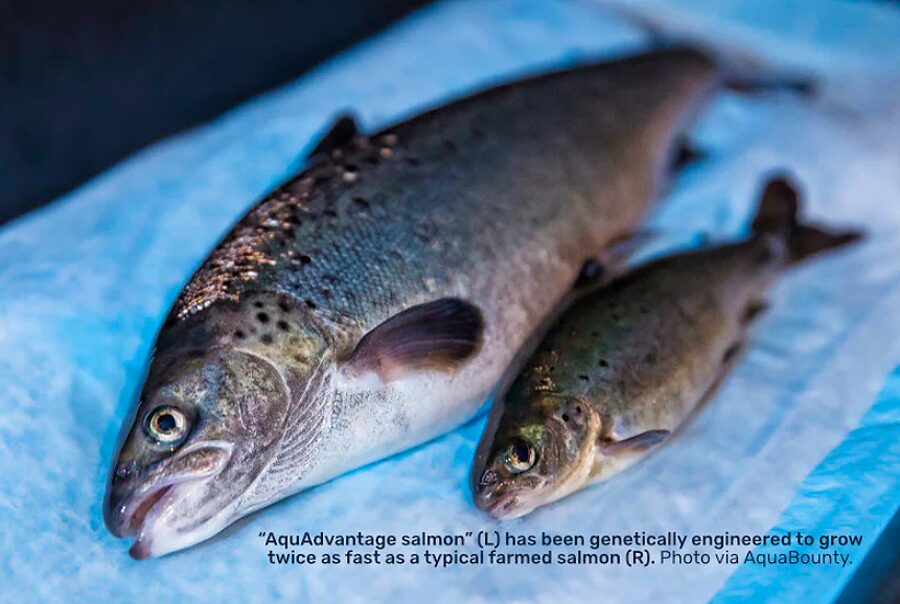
[474,202]
[625,365]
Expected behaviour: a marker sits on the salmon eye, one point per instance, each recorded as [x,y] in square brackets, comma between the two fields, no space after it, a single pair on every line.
[166,425]
[520,456]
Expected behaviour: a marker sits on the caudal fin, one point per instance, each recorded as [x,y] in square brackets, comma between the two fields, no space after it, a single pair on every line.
[777,215]
[741,69]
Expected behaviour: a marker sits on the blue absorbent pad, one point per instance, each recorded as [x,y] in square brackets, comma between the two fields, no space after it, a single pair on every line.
[794,439]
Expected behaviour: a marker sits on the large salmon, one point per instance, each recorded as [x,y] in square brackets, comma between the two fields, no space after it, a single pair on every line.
[373,301]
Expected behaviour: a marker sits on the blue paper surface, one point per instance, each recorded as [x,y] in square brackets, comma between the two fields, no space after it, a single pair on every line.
[85,283]
[853,491]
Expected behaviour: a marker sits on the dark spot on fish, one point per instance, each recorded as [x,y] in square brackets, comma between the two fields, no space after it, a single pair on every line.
[329,278]
[284,306]
[565,417]
[450,146]
[650,357]
[240,335]
[604,363]
[298,358]
[310,304]
[361,202]
[584,378]
[283,325]
[413,161]
[326,293]
[262,317]
[266,339]
[351,168]
[258,304]
[732,350]
[578,409]
[304,259]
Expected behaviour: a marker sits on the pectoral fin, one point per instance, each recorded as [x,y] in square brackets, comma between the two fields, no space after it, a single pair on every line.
[437,336]
[638,443]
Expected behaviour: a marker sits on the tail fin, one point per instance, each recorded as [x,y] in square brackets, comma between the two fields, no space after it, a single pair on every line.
[740,69]
[777,215]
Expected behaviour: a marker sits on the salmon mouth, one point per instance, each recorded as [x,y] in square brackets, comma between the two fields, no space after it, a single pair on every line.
[141,516]
[141,522]
[146,510]
[503,507]
[138,512]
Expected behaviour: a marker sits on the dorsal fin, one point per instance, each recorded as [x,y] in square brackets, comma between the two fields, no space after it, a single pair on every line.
[338,135]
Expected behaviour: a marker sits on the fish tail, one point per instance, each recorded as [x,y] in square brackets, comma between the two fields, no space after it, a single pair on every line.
[777,216]
[740,69]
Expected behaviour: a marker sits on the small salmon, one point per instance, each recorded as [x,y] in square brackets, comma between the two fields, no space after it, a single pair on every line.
[626,364]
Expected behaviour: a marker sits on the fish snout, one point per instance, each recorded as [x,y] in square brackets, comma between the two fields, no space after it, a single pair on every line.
[490,495]
[133,491]
[500,505]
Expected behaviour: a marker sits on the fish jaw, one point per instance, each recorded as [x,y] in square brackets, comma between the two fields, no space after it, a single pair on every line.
[507,506]
[156,537]
[145,512]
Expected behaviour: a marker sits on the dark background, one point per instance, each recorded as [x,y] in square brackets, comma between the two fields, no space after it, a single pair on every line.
[83,83]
